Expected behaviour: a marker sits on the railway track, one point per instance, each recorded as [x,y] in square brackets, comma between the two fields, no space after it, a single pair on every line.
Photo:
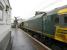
[37,44]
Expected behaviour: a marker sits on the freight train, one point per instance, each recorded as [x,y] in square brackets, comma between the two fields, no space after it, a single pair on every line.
[52,26]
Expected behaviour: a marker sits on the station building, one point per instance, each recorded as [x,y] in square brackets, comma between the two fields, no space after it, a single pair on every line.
[5,24]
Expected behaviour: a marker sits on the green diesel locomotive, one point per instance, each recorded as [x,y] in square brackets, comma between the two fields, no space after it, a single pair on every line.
[52,25]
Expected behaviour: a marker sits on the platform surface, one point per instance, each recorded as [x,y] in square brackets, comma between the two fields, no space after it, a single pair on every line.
[21,41]
[3,31]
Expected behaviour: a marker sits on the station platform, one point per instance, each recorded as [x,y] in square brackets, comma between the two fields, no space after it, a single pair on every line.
[21,41]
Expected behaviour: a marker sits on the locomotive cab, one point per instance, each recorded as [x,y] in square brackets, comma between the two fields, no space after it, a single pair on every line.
[61,28]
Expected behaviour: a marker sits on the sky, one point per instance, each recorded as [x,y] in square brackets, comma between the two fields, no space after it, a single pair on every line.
[26,9]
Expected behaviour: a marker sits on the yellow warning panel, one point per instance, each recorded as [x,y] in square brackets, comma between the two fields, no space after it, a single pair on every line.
[61,34]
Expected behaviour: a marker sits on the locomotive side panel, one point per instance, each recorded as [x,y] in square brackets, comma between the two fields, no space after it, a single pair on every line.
[34,24]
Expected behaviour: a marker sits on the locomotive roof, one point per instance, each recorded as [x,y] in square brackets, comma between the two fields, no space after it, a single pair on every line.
[55,11]
[36,16]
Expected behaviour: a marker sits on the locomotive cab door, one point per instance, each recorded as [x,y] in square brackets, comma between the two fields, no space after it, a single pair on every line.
[49,25]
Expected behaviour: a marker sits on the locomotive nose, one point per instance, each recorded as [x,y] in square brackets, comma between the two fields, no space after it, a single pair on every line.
[61,34]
